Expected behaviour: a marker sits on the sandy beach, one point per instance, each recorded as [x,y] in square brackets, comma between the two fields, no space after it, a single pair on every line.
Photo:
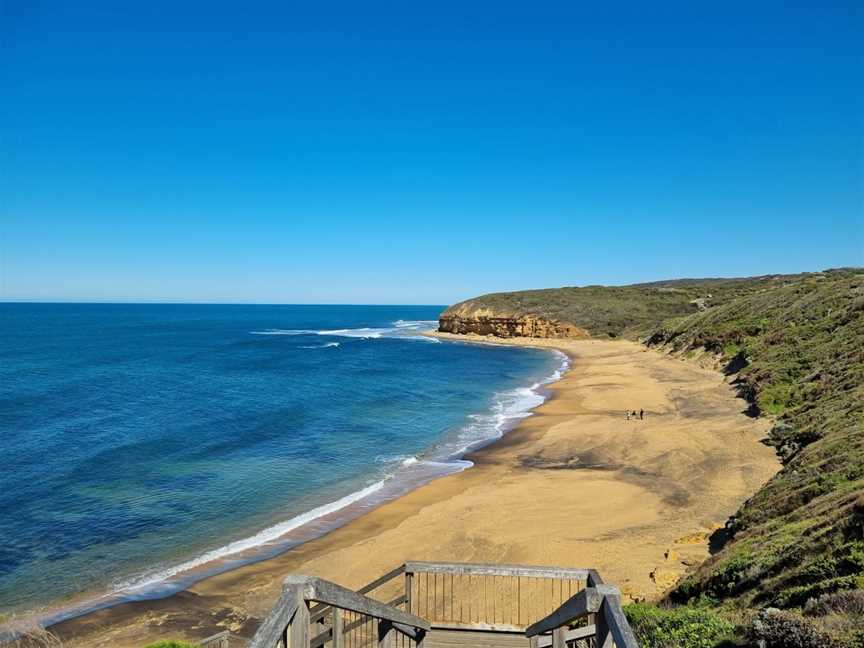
[571,475]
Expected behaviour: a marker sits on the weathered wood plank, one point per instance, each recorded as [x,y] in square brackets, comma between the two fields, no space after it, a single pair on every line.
[559,637]
[378,582]
[337,628]
[409,584]
[321,638]
[271,630]
[320,611]
[545,641]
[474,639]
[483,569]
[298,634]
[614,618]
[479,627]
[576,607]
[322,591]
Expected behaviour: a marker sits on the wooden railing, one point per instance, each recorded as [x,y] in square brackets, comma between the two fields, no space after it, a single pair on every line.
[503,598]
[399,608]
[344,618]
[594,613]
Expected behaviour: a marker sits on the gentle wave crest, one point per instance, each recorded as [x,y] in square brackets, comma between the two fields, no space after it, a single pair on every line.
[329,345]
[263,537]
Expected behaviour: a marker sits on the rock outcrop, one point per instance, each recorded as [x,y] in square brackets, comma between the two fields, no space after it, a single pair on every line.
[462,318]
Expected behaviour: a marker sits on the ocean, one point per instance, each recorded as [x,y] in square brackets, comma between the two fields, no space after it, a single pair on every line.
[146,446]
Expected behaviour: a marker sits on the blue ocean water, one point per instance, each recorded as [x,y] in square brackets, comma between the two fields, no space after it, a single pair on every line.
[142,446]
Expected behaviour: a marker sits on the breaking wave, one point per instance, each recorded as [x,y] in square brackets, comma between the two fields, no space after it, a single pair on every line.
[401,329]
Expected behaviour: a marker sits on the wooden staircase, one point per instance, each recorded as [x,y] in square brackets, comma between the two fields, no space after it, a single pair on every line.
[447,605]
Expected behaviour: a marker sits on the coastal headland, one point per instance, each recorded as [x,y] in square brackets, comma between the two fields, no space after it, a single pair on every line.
[573,474]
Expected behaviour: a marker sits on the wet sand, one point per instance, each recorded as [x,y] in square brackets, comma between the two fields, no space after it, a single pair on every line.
[574,485]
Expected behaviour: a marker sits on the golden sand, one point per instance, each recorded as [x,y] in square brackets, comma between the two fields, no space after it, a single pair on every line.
[574,485]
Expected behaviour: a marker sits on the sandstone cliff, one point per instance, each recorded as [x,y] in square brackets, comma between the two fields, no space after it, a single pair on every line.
[467,318]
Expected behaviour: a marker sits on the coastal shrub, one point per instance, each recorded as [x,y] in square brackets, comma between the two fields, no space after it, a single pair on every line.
[780,629]
[171,643]
[775,399]
[677,627]
[843,602]
[731,349]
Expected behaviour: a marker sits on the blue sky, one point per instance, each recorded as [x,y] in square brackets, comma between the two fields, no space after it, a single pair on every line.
[412,152]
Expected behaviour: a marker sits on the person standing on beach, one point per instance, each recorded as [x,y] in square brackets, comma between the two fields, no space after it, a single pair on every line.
[641,414]
[627,414]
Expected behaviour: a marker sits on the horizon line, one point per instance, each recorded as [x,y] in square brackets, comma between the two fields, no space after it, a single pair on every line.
[133,302]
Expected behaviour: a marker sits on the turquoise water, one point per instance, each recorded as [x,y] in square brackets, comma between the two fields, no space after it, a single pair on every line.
[144,446]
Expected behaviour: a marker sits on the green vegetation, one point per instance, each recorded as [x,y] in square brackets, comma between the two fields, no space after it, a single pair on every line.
[680,627]
[629,311]
[796,352]
[800,359]
[171,644]
[794,348]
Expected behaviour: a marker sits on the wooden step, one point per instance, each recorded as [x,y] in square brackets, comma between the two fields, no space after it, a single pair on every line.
[440,638]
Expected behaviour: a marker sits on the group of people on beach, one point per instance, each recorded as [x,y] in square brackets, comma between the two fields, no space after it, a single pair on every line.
[634,415]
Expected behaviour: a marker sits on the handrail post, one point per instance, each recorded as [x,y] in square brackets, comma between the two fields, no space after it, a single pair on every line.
[603,635]
[299,632]
[409,579]
[337,629]
[559,637]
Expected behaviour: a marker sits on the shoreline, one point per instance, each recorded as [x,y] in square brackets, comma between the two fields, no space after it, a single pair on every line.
[561,456]
[271,542]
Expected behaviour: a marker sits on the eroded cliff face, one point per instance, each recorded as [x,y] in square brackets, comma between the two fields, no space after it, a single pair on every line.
[482,321]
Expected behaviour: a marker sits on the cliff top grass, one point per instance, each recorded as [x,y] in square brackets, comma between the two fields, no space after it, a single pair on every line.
[630,311]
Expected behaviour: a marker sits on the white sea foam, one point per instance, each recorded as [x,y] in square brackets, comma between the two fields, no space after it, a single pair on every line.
[415,324]
[263,537]
[397,460]
[507,409]
[401,329]
[328,345]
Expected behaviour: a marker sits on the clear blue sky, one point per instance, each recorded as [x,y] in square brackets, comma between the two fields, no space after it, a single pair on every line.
[422,152]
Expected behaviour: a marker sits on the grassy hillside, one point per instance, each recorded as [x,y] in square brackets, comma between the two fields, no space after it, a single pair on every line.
[797,352]
[612,311]
[794,347]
